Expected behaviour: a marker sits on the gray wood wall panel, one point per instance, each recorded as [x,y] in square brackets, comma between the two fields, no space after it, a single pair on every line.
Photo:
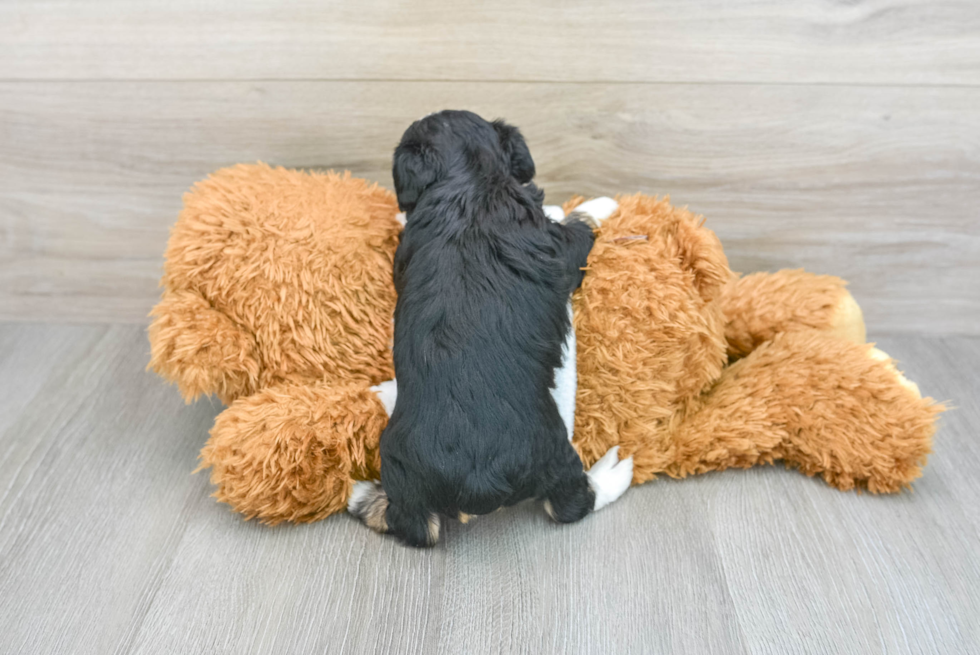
[881,42]
[109,545]
[880,185]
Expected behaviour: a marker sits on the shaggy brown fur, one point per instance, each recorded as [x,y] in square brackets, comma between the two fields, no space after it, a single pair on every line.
[761,305]
[819,403]
[273,276]
[652,319]
[291,452]
[278,293]
[650,330]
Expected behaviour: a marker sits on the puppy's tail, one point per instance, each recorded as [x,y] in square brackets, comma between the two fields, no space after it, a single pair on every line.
[369,503]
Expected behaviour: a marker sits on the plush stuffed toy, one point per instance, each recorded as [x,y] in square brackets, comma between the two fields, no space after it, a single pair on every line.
[278,298]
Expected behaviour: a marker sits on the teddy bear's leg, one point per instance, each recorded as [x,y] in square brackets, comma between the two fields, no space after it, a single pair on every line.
[292,452]
[823,404]
[761,305]
[201,349]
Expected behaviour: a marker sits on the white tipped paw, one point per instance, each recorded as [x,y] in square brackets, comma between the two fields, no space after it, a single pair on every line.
[359,493]
[402,218]
[610,477]
[599,209]
[554,212]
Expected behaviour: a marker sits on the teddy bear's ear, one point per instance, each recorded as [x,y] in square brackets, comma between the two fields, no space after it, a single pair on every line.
[414,169]
[514,145]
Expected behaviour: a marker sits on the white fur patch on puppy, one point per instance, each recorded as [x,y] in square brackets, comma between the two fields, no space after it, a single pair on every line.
[610,477]
[566,380]
[387,393]
[554,212]
[599,209]
[402,218]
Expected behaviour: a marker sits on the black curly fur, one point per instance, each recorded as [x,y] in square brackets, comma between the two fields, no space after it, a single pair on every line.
[483,278]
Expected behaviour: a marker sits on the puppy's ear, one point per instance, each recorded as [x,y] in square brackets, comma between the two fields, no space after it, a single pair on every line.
[414,170]
[521,164]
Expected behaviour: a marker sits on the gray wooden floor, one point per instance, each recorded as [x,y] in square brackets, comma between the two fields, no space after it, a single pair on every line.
[108,544]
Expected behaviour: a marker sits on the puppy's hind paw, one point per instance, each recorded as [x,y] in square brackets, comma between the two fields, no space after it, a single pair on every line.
[610,477]
[598,209]
[369,503]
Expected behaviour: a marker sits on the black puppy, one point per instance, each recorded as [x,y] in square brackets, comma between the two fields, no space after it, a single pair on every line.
[483,278]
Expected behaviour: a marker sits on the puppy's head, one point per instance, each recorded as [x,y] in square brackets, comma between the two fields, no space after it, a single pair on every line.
[449,141]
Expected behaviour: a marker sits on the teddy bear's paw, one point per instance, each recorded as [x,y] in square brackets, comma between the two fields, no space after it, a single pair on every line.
[882,356]
[848,320]
[598,209]
[554,213]
[610,477]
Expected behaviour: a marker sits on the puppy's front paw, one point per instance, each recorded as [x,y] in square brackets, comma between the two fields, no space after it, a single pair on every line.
[598,209]
[610,477]
[554,213]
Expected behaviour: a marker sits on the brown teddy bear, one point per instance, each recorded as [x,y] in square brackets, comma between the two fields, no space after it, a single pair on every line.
[277,297]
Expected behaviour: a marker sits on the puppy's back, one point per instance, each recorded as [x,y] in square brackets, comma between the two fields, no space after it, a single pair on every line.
[479,328]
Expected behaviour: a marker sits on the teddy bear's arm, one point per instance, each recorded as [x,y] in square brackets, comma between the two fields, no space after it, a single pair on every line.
[822,404]
[292,452]
[759,306]
[200,348]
